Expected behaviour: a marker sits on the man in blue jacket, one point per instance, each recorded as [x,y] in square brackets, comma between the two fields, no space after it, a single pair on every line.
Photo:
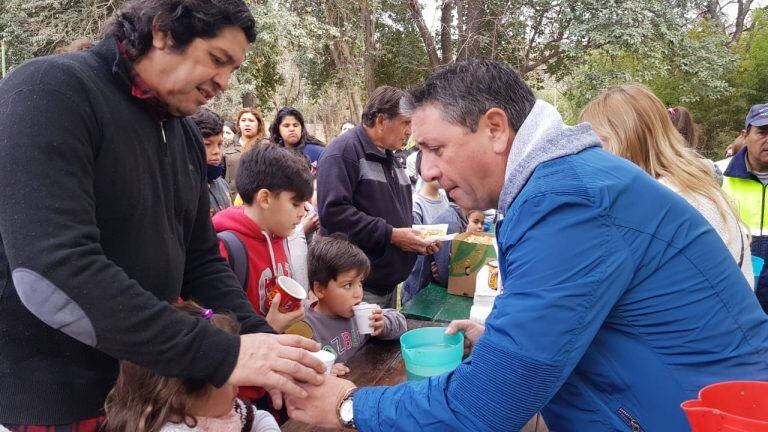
[620,300]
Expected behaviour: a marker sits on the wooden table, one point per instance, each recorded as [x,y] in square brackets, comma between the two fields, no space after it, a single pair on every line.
[433,303]
[379,364]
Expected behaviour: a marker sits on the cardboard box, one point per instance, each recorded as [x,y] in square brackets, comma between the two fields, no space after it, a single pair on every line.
[469,253]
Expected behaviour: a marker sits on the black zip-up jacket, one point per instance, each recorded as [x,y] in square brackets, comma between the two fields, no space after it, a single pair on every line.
[104,221]
[363,193]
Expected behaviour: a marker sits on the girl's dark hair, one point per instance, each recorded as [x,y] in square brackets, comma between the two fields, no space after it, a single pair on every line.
[184,20]
[274,129]
[276,169]
[332,255]
[208,122]
[143,401]
[683,121]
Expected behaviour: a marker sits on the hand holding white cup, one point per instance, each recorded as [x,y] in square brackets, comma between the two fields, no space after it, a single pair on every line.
[363,313]
[328,358]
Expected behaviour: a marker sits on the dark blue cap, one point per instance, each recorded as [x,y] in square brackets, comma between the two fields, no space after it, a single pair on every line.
[758,116]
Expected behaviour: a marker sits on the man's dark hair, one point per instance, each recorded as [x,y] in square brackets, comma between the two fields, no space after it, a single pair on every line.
[332,255]
[209,123]
[385,100]
[184,20]
[275,169]
[465,91]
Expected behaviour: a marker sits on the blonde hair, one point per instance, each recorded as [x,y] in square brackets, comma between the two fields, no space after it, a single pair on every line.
[261,130]
[634,124]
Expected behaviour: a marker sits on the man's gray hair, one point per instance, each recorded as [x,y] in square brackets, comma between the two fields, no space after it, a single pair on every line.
[465,91]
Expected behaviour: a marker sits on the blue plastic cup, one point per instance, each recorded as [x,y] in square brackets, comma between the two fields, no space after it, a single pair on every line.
[428,351]
[757,267]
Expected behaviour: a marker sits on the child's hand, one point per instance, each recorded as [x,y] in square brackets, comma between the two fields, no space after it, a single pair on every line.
[339,369]
[311,223]
[435,272]
[282,321]
[377,322]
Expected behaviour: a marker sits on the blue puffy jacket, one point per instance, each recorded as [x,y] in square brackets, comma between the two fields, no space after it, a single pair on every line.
[620,303]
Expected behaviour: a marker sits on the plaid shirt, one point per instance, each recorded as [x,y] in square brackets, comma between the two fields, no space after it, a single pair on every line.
[90,425]
[141,90]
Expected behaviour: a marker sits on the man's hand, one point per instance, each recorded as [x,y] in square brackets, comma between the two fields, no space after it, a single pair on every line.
[319,407]
[339,369]
[377,322]
[472,332]
[408,240]
[276,362]
[281,321]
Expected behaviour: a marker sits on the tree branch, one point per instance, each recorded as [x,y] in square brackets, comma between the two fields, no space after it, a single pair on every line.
[426,37]
[446,18]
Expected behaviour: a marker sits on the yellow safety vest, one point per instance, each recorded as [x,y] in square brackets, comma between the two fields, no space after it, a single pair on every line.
[749,196]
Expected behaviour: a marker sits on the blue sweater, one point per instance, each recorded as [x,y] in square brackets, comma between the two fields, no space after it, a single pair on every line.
[620,303]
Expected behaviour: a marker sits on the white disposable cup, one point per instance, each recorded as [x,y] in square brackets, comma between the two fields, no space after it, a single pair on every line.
[363,313]
[328,358]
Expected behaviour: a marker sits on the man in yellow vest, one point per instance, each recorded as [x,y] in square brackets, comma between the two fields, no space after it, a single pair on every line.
[746,181]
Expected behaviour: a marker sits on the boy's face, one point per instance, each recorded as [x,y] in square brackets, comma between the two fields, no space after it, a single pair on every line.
[213,149]
[282,212]
[341,293]
[475,222]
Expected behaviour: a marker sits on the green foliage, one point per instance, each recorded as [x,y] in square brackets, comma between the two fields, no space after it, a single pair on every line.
[401,56]
[754,78]
[280,32]
[33,28]
[691,68]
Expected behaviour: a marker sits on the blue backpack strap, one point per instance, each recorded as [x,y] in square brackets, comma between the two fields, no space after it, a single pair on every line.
[238,256]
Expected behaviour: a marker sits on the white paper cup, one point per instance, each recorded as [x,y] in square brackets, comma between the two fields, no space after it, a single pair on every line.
[328,358]
[363,312]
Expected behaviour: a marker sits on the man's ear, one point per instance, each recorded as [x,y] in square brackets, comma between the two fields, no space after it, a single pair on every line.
[263,198]
[380,118]
[495,124]
[160,39]
[743,134]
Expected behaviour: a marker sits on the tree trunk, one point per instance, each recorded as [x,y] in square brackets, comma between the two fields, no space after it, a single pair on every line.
[446,19]
[741,15]
[345,66]
[475,17]
[369,59]
[249,99]
[355,105]
[461,50]
[429,42]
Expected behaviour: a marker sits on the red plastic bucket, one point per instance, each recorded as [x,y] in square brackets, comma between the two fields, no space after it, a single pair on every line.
[734,406]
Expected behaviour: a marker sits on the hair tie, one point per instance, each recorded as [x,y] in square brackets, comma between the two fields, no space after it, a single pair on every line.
[206,314]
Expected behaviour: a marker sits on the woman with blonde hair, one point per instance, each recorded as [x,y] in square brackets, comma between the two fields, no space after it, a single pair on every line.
[634,124]
[250,129]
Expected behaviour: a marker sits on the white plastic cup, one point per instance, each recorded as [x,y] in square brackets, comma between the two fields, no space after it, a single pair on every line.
[328,358]
[363,313]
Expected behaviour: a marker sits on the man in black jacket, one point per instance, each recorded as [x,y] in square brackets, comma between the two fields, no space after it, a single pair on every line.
[363,192]
[105,220]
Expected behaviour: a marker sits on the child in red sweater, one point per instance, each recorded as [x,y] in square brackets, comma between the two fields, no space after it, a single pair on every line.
[274,184]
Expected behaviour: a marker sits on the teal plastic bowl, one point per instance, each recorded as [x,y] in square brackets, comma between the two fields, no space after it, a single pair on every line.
[428,351]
